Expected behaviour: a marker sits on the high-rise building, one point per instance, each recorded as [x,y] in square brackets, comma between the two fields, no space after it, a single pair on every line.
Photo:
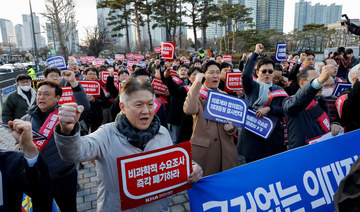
[20,37]
[270,15]
[305,13]
[7,31]
[28,31]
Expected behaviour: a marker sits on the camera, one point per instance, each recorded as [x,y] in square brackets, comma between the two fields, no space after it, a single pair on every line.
[347,22]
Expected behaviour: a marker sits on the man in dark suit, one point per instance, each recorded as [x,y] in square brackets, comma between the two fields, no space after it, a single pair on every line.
[23,172]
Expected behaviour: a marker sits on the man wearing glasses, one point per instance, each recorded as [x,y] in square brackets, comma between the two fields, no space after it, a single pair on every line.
[264,100]
[43,117]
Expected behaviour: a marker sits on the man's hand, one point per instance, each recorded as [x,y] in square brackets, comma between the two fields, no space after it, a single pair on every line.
[335,129]
[326,72]
[196,174]
[302,57]
[111,70]
[262,112]
[22,132]
[91,98]
[199,77]
[228,127]
[285,81]
[259,48]
[69,115]
[167,73]
[69,77]
[157,74]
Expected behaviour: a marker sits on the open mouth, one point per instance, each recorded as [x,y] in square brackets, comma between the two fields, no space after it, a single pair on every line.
[144,119]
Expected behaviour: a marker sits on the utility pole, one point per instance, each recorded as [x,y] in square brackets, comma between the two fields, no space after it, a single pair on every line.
[35,48]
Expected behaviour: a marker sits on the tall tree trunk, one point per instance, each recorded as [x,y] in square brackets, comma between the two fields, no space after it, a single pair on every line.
[221,35]
[59,30]
[194,25]
[149,32]
[206,2]
[127,31]
[138,25]
[233,37]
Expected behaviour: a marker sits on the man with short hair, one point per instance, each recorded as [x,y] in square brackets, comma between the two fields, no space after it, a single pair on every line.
[354,60]
[19,101]
[74,67]
[43,117]
[307,113]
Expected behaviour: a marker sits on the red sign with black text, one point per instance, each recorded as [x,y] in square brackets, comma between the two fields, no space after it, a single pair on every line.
[173,72]
[159,87]
[90,59]
[233,82]
[91,87]
[168,50]
[130,64]
[147,177]
[105,74]
[119,57]
[67,96]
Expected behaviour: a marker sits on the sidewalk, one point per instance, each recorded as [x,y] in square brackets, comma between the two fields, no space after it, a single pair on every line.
[87,195]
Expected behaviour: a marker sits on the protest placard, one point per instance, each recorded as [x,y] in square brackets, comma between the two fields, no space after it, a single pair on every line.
[67,96]
[159,87]
[303,179]
[153,175]
[340,87]
[57,61]
[168,50]
[91,87]
[105,74]
[262,127]
[220,107]
[280,54]
[233,82]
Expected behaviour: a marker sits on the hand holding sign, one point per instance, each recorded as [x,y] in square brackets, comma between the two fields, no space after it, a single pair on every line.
[259,48]
[228,127]
[167,73]
[262,112]
[69,115]
[22,132]
[196,174]
[335,129]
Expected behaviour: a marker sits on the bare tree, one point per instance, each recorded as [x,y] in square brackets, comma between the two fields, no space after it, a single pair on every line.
[97,39]
[61,15]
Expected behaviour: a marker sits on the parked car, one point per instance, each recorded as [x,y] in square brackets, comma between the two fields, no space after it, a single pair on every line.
[5,70]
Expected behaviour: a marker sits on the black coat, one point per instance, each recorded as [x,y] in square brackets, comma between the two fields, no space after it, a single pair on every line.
[350,118]
[301,126]
[251,146]
[19,178]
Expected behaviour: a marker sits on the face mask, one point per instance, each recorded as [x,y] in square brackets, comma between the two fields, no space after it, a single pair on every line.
[326,92]
[25,88]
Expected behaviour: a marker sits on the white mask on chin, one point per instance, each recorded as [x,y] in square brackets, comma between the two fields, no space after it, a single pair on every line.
[326,92]
[25,88]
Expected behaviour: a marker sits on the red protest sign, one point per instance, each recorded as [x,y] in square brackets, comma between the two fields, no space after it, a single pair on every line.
[98,62]
[91,87]
[168,50]
[159,87]
[157,50]
[130,56]
[105,74]
[138,57]
[186,61]
[227,58]
[67,96]
[154,175]
[71,58]
[173,73]
[89,59]
[147,55]
[130,64]
[119,57]
[233,82]
[83,59]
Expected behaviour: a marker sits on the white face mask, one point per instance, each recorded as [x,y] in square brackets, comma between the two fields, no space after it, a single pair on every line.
[326,92]
[25,88]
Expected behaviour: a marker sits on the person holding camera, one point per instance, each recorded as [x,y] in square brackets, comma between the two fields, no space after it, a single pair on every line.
[344,62]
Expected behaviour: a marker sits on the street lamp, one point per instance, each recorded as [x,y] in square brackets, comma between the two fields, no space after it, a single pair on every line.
[33,29]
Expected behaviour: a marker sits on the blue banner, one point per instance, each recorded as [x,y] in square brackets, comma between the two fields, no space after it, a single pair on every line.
[142,64]
[303,179]
[8,90]
[220,107]
[280,54]
[57,61]
[340,87]
[262,127]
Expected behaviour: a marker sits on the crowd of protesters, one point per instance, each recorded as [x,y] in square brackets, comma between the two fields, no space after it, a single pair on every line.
[126,119]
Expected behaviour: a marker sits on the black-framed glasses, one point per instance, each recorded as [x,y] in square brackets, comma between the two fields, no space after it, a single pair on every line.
[270,71]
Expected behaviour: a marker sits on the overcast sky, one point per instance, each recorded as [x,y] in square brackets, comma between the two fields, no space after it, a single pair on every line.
[86,12]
